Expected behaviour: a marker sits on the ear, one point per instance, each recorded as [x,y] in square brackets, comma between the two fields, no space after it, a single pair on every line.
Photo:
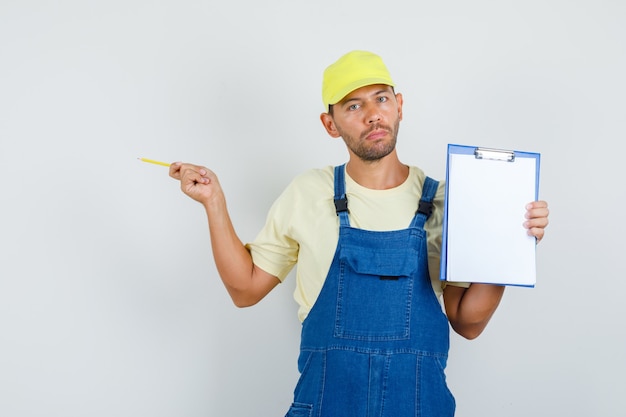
[400,101]
[329,125]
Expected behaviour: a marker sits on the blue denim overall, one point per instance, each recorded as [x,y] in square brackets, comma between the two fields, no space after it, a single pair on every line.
[375,344]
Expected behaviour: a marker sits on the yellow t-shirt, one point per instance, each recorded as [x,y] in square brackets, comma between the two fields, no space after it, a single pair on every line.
[302,227]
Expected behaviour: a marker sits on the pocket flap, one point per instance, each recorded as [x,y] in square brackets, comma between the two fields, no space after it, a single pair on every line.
[386,263]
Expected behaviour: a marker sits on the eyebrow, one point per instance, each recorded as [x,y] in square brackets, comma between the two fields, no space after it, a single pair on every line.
[376,93]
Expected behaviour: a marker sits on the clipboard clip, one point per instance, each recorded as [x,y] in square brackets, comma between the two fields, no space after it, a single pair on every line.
[495,154]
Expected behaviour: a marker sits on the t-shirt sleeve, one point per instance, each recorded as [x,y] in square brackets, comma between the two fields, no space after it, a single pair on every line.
[273,250]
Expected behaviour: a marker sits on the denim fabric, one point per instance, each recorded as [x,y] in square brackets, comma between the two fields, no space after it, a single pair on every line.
[375,344]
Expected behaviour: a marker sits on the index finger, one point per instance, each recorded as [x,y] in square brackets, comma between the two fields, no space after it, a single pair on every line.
[537,204]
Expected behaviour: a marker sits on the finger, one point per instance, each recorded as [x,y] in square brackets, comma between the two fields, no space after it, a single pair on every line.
[537,209]
[193,175]
[537,204]
[537,213]
[537,232]
[175,168]
[541,222]
[179,170]
[541,206]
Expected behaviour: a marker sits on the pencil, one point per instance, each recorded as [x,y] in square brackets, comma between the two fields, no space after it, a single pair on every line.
[152,161]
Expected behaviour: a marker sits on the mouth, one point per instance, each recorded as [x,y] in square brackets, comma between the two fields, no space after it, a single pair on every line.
[376,133]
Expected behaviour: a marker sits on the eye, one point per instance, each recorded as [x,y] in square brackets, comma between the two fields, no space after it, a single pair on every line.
[353,107]
[382,99]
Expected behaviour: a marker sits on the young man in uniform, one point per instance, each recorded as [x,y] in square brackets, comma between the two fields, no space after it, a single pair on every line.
[366,237]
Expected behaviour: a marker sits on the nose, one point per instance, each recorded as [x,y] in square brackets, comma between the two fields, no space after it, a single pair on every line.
[373,115]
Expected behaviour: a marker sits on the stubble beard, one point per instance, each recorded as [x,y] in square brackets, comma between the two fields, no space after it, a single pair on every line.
[372,151]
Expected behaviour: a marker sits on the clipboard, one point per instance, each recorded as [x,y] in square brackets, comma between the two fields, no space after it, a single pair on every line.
[486,192]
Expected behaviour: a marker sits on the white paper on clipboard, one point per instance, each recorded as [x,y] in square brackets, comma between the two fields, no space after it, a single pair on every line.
[486,195]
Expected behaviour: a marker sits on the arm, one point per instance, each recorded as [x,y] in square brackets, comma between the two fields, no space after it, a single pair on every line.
[246,283]
[470,309]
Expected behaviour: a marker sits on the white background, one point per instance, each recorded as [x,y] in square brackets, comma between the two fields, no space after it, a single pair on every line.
[109,301]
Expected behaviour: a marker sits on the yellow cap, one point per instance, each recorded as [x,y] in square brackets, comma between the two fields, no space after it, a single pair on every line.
[354,70]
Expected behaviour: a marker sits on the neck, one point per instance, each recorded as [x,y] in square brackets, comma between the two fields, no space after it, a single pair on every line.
[382,174]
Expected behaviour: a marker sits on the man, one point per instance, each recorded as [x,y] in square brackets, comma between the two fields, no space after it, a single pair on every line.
[374,337]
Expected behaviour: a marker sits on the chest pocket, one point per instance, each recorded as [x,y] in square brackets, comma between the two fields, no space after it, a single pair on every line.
[375,292]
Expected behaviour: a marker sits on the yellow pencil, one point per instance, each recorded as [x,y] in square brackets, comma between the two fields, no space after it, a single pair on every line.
[152,161]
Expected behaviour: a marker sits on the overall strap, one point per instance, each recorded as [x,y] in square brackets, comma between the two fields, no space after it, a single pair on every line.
[425,206]
[341,201]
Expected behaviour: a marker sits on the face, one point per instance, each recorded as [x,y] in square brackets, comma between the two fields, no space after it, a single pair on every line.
[368,120]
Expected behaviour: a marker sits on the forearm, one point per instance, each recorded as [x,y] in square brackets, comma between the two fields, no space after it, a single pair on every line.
[245,283]
[470,309]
